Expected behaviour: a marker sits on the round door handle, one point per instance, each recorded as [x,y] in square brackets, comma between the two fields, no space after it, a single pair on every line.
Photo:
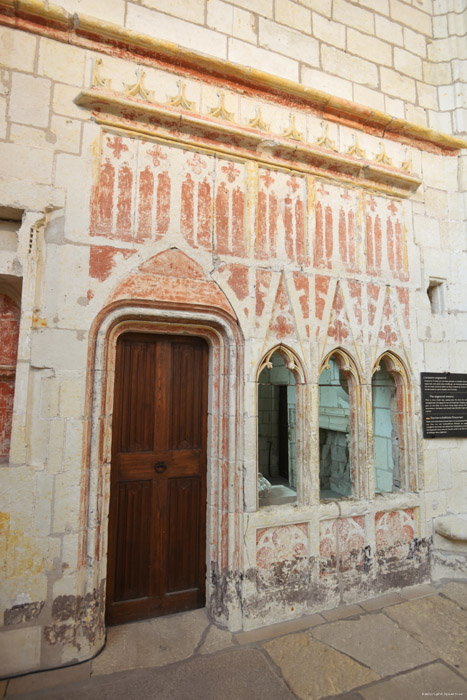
[160,467]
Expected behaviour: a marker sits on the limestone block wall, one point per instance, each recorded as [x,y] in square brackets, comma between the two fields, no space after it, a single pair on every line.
[283,224]
[405,57]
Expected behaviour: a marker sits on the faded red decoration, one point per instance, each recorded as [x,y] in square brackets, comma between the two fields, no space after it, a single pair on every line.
[231,172]
[373,245]
[395,528]
[186,210]
[124,219]
[293,184]
[373,295]
[339,328]
[146,194]
[278,544]
[230,211]
[222,219]
[263,281]
[267,179]
[102,260]
[163,205]
[342,545]
[281,328]
[302,285]
[157,155]
[388,331]
[9,333]
[196,163]
[355,289]
[116,146]
[102,201]
[7,392]
[172,277]
[352,540]
[403,296]
[321,189]
[282,324]
[238,280]
[321,291]
[281,208]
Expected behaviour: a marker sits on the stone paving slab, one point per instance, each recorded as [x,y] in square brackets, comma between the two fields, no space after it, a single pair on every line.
[381,601]
[281,628]
[314,670]
[418,591]
[440,624]
[457,592]
[216,640]
[433,680]
[342,612]
[48,679]
[375,641]
[156,642]
[233,675]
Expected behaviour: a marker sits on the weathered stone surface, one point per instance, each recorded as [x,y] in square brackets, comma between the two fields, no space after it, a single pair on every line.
[216,639]
[341,612]
[418,591]
[20,648]
[381,601]
[375,641]
[313,670]
[151,643]
[457,592]
[257,635]
[431,680]
[229,676]
[439,623]
[49,679]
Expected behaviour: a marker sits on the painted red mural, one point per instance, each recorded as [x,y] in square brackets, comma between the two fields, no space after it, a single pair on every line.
[283,543]
[9,332]
[281,217]
[385,237]
[336,239]
[395,530]
[342,544]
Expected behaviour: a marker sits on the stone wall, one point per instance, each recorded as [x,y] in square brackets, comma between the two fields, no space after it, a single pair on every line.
[405,57]
[282,222]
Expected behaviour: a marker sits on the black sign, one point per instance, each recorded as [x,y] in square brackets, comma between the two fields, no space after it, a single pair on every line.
[444,404]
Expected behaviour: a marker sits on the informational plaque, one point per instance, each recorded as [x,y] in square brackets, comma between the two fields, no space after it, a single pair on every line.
[444,404]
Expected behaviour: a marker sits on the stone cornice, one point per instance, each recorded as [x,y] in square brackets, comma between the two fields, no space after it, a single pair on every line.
[81,30]
[118,110]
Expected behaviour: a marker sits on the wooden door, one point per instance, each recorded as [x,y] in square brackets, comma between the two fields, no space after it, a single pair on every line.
[156,559]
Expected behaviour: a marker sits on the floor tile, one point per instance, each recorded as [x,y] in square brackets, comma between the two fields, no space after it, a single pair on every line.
[439,623]
[314,670]
[434,680]
[375,641]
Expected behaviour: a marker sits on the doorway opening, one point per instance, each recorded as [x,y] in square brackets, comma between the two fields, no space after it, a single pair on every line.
[157,512]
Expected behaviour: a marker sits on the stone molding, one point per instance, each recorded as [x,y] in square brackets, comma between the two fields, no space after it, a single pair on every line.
[52,21]
[214,132]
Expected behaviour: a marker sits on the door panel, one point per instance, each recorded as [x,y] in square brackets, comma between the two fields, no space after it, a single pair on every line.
[132,556]
[156,560]
[183,517]
[136,433]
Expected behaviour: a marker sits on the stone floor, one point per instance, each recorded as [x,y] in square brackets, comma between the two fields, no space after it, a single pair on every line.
[402,646]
